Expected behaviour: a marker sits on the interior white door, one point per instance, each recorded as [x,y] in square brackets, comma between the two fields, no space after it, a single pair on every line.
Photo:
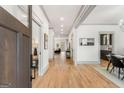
[36,36]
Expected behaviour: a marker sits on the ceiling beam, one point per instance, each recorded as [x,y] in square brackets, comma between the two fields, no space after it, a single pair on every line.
[76,18]
[50,24]
[84,12]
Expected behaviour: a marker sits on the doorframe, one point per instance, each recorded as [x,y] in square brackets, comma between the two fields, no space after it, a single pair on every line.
[105,32]
[30,28]
[40,23]
[40,64]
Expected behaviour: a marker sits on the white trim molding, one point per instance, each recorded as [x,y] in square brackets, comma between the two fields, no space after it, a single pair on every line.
[83,13]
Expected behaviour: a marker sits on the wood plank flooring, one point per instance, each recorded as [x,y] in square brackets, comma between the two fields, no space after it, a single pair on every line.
[62,73]
[104,63]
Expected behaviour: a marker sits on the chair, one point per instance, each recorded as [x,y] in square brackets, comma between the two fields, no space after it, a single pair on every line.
[58,51]
[116,62]
[109,59]
[123,69]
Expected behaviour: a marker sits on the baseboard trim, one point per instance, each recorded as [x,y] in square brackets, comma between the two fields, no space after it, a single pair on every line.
[44,69]
[87,62]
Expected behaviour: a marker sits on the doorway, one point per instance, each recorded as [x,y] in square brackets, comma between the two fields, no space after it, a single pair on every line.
[106,47]
[62,46]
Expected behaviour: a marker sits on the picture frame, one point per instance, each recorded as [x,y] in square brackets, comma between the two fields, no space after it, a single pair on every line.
[86,41]
[45,41]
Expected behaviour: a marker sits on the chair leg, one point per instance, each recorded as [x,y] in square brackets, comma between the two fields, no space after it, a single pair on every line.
[123,69]
[119,73]
[111,69]
[108,66]
[122,78]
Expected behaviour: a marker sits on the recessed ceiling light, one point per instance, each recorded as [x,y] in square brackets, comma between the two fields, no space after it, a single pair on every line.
[61,18]
[61,25]
[61,29]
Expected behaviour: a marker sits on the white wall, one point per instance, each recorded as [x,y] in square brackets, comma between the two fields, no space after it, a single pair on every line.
[51,43]
[87,54]
[39,16]
[72,41]
[90,54]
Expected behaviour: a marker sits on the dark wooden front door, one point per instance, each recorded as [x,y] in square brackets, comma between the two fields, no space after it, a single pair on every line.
[15,52]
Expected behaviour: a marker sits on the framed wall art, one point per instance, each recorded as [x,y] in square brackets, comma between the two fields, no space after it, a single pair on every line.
[45,41]
[86,41]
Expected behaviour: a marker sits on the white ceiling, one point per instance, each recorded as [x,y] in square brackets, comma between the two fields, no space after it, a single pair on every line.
[105,15]
[69,12]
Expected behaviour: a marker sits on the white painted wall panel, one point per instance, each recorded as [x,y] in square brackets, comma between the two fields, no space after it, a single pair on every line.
[51,43]
[39,16]
[90,54]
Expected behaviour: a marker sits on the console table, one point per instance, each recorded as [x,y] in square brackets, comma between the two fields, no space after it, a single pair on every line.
[68,53]
[34,67]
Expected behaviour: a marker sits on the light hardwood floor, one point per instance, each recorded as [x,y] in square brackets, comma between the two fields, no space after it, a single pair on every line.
[62,73]
[104,63]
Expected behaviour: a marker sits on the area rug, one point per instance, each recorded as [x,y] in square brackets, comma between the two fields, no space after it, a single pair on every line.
[111,76]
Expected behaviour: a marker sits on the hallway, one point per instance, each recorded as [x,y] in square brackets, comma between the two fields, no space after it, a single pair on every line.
[30,35]
[62,73]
